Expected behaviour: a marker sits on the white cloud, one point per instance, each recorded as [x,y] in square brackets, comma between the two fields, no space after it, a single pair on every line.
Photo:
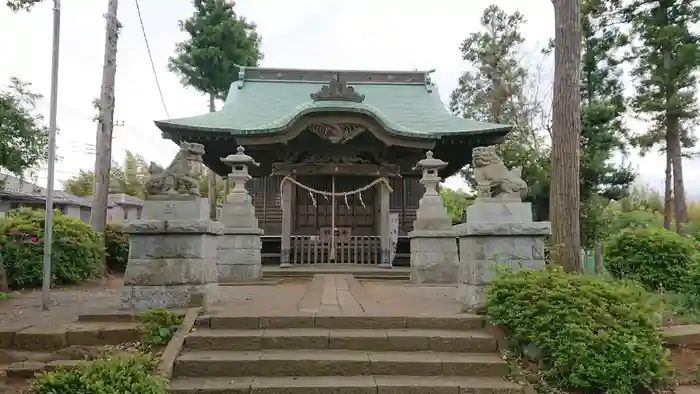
[359,34]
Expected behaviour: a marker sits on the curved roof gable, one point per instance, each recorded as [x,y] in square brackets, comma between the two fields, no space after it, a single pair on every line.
[270,100]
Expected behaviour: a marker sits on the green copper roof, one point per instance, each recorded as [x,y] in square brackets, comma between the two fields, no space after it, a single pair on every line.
[256,106]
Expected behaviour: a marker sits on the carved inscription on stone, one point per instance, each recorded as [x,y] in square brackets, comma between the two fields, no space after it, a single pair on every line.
[169,210]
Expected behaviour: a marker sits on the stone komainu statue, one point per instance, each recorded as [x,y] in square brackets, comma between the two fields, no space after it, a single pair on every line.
[180,177]
[490,172]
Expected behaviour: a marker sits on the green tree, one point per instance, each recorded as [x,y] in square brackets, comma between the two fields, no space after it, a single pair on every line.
[456,202]
[666,50]
[22,5]
[23,137]
[80,185]
[219,43]
[602,126]
[128,177]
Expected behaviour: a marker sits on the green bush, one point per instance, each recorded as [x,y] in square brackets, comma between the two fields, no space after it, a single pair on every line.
[589,333]
[635,219]
[655,257]
[117,247]
[158,325]
[116,374]
[76,249]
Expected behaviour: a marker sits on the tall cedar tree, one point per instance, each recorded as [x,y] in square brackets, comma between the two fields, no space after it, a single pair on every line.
[667,54]
[565,190]
[602,128]
[495,91]
[219,43]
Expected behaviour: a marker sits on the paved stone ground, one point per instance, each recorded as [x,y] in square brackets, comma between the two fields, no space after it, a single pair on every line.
[23,308]
[326,293]
[339,294]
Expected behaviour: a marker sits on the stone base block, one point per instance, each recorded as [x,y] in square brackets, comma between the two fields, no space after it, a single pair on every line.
[486,246]
[239,272]
[434,258]
[238,256]
[472,296]
[170,272]
[179,296]
[494,210]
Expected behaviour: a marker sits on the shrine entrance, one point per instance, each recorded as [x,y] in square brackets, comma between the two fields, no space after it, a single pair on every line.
[337,219]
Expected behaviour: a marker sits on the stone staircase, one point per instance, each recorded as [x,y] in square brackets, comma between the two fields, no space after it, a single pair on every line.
[341,354]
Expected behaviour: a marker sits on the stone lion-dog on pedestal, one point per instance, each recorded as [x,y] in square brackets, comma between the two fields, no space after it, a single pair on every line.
[490,172]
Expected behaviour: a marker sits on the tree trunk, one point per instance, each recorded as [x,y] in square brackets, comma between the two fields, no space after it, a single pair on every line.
[598,259]
[673,150]
[211,174]
[668,193]
[566,131]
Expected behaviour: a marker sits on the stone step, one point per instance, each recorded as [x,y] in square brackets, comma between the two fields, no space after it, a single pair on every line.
[336,363]
[345,384]
[308,273]
[377,277]
[316,338]
[460,321]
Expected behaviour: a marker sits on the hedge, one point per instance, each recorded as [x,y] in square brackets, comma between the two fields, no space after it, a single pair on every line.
[114,375]
[76,249]
[657,258]
[117,247]
[584,333]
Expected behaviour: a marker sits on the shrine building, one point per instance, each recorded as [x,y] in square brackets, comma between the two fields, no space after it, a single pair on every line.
[337,150]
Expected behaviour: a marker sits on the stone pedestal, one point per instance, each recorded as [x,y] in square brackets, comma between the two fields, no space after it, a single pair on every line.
[238,254]
[497,233]
[172,259]
[434,258]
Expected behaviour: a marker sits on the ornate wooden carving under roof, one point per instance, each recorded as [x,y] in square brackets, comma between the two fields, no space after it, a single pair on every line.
[337,90]
[337,133]
[328,162]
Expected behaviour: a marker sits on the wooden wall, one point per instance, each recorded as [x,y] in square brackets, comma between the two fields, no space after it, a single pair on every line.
[265,192]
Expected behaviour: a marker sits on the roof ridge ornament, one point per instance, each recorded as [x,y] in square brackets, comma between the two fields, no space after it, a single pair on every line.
[337,90]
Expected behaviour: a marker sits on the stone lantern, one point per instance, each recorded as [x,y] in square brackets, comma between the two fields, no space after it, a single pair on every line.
[431,214]
[238,254]
[238,210]
[434,257]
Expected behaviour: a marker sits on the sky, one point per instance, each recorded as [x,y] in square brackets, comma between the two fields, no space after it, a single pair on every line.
[339,34]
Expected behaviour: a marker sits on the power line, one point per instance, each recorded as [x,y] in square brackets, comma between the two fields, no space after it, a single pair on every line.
[150,56]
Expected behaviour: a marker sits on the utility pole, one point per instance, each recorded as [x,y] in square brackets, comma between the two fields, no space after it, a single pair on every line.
[53,114]
[105,124]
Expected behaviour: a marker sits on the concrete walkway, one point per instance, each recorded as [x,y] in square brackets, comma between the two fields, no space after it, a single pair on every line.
[338,294]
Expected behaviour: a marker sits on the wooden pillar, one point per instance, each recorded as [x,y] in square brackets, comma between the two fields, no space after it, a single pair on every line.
[384,210]
[287,190]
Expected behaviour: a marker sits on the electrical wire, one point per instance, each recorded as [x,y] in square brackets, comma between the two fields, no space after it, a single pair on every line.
[150,56]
